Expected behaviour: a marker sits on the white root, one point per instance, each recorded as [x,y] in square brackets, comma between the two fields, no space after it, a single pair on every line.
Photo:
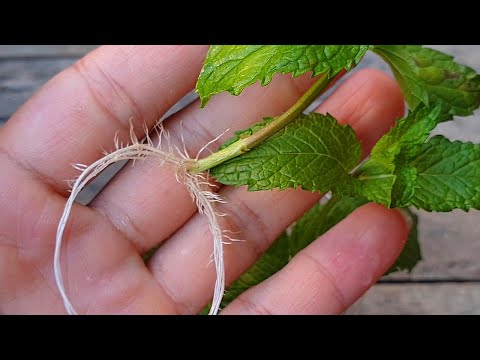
[197,185]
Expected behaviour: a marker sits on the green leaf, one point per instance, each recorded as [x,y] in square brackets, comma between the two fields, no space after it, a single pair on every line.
[314,152]
[148,255]
[376,182]
[380,180]
[411,253]
[437,175]
[447,175]
[431,77]
[407,133]
[404,186]
[232,68]
[406,73]
[319,219]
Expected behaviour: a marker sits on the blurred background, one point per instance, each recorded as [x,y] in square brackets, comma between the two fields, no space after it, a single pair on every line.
[447,281]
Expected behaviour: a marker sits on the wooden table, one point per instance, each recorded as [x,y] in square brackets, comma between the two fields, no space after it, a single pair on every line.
[446,282]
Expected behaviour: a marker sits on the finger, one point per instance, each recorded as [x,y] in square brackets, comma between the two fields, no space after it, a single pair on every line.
[259,217]
[103,273]
[330,274]
[136,210]
[77,113]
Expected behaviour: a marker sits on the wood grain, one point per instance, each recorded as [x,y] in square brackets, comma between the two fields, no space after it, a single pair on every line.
[451,247]
[450,242]
[20,78]
[419,299]
[36,51]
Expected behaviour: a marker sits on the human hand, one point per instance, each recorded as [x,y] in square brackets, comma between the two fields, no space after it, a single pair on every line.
[76,115]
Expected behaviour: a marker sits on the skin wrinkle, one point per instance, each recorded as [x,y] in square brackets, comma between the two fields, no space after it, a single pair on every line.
[249,219]
[7,302]
[194,116]
[33,261]
[230,257]
[104,278]
[323,271]
[142,243]
[40,263]
[350,117]
[79,111]
[180,307]
[161,273]
[361,234]
[101,102]
[335,271]
[28,258]
[202,133]
[121,219]
[34,224]
[56,184]
[41,178]
[257,308]
[107,277]
[124,224]
[176,126]
[103,244]
[82,70]
[52,288]
[168,98]
[37,278]
[103,86]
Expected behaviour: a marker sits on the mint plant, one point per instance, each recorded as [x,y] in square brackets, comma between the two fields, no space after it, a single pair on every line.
[407,168]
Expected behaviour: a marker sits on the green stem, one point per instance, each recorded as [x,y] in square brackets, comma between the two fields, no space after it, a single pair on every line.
[243,145]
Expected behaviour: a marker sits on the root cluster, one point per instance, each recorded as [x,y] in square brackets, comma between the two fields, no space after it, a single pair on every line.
[197,184]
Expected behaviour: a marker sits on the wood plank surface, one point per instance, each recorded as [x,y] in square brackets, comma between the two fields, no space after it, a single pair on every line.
[20,78]
[17,51]
[450,242]
[419,299]
[451,247]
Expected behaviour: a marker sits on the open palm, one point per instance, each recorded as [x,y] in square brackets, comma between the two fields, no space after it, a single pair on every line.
[76,115]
